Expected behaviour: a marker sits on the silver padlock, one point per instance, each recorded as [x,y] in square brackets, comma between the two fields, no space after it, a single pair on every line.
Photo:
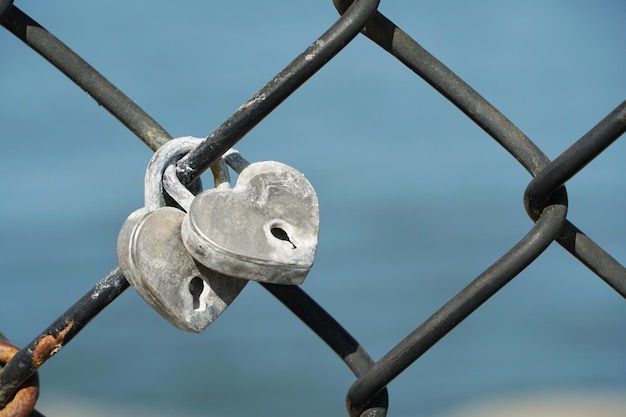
[264,229]
[156,263]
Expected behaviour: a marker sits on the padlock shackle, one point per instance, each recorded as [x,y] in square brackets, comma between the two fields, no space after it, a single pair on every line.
[169,153]
[181,194]
[176,189]
[234,160]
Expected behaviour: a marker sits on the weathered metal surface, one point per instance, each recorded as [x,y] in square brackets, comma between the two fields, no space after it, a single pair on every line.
[24,400]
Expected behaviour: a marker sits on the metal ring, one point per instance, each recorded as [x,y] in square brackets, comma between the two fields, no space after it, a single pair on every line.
[23,403]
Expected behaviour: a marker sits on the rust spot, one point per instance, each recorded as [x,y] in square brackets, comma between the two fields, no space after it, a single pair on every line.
[23,402]
[49,345]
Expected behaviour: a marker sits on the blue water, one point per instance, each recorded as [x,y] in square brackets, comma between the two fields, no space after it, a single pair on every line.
[415,200]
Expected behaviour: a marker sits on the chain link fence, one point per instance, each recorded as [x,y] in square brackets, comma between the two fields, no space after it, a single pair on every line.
[545,200]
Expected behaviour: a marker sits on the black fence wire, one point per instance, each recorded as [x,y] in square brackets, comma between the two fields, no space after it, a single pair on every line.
[545,199]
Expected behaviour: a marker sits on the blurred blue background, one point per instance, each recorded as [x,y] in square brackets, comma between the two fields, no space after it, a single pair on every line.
[415,200]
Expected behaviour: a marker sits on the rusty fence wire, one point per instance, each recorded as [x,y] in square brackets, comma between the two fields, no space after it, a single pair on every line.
[545,200]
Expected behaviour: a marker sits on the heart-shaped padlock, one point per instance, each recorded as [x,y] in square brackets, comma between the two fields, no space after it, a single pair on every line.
[184,292]
[265,228]
[156,263]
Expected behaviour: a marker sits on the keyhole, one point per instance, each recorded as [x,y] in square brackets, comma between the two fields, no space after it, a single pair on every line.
[196,286]
[280,233]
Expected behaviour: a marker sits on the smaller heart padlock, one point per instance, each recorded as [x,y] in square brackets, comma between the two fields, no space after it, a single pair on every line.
[184,292]
[264,229]
[157,264]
